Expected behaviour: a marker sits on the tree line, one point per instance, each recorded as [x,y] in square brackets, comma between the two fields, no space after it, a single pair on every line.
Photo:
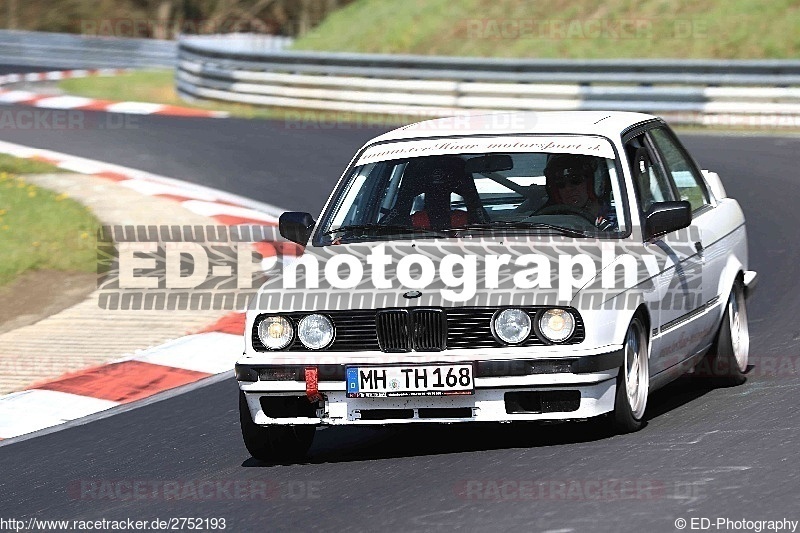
[165,19]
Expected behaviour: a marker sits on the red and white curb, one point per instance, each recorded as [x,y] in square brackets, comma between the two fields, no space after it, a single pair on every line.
[89,104]
[148,372]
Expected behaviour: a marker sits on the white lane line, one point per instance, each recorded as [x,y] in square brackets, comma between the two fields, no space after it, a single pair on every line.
[211,209]
[63,102]
[121,408]
[211,353]
[134,108]
[77,73]
[192,189]
[152,188]
[32,410]
[12,97]
[82,167]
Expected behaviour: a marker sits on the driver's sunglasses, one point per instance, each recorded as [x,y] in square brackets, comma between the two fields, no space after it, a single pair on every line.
[573,180]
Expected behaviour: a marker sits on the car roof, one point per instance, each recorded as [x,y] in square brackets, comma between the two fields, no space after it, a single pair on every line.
[607,123]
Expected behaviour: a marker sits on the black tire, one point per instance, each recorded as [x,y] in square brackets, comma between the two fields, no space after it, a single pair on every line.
[726,361]
[273,444]
[628,415]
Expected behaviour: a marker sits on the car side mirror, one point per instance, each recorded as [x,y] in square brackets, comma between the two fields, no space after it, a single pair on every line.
[666,217]
[296,226]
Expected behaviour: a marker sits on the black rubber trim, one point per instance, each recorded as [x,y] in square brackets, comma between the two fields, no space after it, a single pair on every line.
[634,130]
[688,316]
[386,414]
[516,367]
[245,373]
[598,363]
[502,368]
[550,401]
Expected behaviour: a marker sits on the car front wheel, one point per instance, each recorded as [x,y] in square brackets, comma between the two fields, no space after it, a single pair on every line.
[273,444]
[633,380]
[726,363]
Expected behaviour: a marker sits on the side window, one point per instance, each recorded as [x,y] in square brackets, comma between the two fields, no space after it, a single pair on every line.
[689,185]
[651,184]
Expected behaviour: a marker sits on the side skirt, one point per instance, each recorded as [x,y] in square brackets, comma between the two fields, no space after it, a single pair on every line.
[672,373]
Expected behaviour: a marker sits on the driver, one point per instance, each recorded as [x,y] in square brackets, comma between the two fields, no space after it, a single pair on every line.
[570,183]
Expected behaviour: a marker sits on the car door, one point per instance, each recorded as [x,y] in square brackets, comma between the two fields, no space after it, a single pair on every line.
[671,261]
[688,326]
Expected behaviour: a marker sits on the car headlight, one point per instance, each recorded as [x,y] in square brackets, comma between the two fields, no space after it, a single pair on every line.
[275,332]
[512,326]
[557,325]
[315,331]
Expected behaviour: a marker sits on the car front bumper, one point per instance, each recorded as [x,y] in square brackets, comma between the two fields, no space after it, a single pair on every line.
[505,391]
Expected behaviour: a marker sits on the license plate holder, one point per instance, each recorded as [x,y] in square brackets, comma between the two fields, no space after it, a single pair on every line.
[388,381]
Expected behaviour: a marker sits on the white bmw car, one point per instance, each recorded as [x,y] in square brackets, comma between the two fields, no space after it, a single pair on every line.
[499,268]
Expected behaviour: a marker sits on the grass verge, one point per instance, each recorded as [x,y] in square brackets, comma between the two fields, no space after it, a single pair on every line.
[41,229]
[17,165]
[580,29]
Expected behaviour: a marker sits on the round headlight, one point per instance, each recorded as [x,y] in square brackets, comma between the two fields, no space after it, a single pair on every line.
[512,325]
[557,325]
[315,331]
[275,332]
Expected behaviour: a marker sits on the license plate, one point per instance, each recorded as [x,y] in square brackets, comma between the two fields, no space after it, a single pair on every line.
[413,380]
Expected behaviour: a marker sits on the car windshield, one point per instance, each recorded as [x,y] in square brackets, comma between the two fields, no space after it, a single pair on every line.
[476,186]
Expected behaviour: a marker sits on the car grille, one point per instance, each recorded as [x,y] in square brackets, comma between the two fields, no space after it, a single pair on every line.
[393,331]
[418,329]
[401,330]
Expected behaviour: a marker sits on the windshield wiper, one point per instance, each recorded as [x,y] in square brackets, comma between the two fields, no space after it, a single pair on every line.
[499,224]
[386,229]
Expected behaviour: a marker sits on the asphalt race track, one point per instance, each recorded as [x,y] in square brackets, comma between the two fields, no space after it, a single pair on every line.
[265,160]
[16,69]
[704,453]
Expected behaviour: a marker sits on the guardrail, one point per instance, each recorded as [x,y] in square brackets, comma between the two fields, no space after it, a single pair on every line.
[77,51]
[244,69]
